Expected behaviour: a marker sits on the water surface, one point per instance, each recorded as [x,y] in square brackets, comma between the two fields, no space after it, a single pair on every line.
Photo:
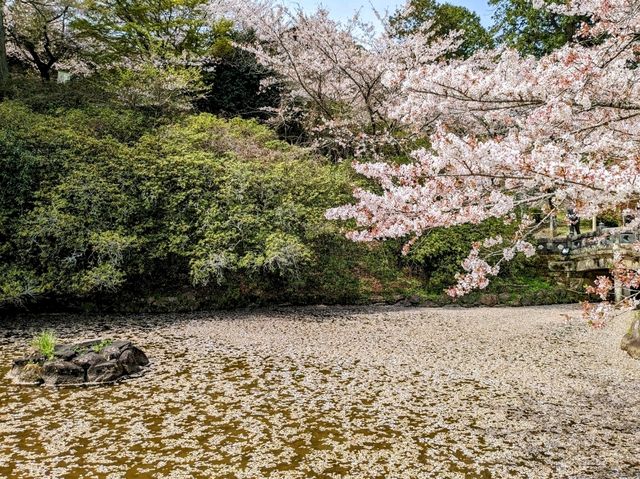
[332,393]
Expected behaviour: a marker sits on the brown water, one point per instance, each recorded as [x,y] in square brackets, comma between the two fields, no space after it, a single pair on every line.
[328,393]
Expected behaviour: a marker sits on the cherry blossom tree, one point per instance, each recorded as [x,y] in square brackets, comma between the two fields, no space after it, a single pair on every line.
[512,132]
[340,70]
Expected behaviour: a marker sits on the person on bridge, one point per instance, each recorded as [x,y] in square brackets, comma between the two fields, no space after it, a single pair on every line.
[574,222]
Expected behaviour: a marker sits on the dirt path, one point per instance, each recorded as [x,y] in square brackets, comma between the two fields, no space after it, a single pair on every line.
[335,392]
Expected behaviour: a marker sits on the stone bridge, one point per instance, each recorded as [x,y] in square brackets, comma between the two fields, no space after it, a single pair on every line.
[576,261]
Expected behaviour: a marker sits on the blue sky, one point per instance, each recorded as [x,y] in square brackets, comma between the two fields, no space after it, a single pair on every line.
[343,9]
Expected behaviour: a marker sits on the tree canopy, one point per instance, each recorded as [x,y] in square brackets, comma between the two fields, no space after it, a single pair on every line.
[441,19]
[532,30]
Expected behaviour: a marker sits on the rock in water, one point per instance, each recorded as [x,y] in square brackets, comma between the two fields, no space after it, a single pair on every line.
[64,352]
[25,371]
[105,372]
[631,341]
[115,349]
[132,359]
[62,372]
[86,360]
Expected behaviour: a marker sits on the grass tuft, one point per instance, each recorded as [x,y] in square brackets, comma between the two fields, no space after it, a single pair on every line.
[45,343]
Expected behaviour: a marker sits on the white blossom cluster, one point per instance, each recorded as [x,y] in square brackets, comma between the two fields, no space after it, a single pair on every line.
[511,132]
[344,71]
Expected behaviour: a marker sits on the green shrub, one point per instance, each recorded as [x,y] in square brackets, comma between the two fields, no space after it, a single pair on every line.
[18,286]
[97,205]
[437,256]
[222,207]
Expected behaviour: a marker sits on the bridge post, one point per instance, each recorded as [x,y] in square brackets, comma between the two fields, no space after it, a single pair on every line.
[594,223]
[552,226]
[618,291]
[617,284]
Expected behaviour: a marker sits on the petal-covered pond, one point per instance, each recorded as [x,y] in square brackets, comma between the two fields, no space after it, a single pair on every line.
[332,393]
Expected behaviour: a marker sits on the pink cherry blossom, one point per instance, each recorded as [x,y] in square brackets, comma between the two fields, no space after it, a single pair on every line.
[506,132]
[349,74]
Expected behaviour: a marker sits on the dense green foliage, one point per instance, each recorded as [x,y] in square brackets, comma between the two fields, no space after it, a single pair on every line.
[531,31]
[94,202]
[438,254]
[167,29]
[446,18]
[233,87]
[102,205]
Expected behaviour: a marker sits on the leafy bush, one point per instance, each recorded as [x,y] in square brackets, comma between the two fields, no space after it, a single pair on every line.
[47,97]
[437,255]
[220,207]
[97,205]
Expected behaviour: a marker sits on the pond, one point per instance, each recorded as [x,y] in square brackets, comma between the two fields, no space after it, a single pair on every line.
[333,392]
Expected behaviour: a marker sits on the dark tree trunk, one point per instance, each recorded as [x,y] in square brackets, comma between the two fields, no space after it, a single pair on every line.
[4,68]
[44,67]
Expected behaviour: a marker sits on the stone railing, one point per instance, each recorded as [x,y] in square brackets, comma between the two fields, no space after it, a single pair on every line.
[603,238]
